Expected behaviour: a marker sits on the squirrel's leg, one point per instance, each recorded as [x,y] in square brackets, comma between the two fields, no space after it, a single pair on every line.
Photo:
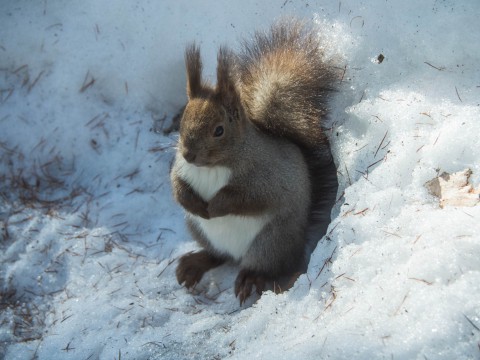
[276,255]
[188,198]
[193,265]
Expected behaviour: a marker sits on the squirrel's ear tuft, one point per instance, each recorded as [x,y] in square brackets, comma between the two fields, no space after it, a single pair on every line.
[226,90]
[194,71]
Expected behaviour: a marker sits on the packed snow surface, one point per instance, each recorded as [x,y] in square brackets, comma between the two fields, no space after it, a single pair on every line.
[90,234]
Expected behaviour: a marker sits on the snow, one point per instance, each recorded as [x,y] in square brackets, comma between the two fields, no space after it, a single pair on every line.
[90,234]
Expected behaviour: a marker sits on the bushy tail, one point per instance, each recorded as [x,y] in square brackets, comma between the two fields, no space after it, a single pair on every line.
[285,82]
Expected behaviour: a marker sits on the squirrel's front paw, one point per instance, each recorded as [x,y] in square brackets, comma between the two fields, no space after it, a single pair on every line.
[189,199]
[217,207]
[195,205]
[199,209]
[244,284]
[192,266]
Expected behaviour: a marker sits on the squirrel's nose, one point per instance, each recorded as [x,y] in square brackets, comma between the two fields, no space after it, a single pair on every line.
[189,155]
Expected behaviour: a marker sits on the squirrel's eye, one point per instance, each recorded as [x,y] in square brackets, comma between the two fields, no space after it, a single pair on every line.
[218,131]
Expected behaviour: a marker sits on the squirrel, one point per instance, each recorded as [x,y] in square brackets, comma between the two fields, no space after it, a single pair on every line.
[253,165]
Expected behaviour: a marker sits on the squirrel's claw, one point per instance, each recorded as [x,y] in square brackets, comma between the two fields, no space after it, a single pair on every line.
[192,266]
[188,273]
[244,284]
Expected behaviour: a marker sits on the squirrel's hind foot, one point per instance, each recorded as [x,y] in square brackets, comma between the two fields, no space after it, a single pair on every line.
[244,284]
[193,265]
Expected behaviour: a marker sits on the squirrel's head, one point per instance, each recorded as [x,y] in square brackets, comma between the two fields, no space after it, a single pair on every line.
[213,122]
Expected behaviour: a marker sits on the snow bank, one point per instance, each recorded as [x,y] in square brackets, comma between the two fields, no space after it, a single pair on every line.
[89,233]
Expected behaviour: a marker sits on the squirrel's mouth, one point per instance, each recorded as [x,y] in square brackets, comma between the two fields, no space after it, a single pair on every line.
[197,158]
[196,162]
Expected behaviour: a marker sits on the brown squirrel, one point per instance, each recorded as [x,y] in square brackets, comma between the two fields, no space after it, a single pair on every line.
[253,164]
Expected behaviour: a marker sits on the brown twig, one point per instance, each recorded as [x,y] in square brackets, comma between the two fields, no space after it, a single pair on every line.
[361,212]
[86,82]
[327,261]
[459,98]
[30,87]
[401,304]
[438,68]
[421,280]
[381,142]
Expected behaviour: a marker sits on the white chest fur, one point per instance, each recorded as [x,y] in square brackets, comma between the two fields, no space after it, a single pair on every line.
[206,181]
[229,234]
